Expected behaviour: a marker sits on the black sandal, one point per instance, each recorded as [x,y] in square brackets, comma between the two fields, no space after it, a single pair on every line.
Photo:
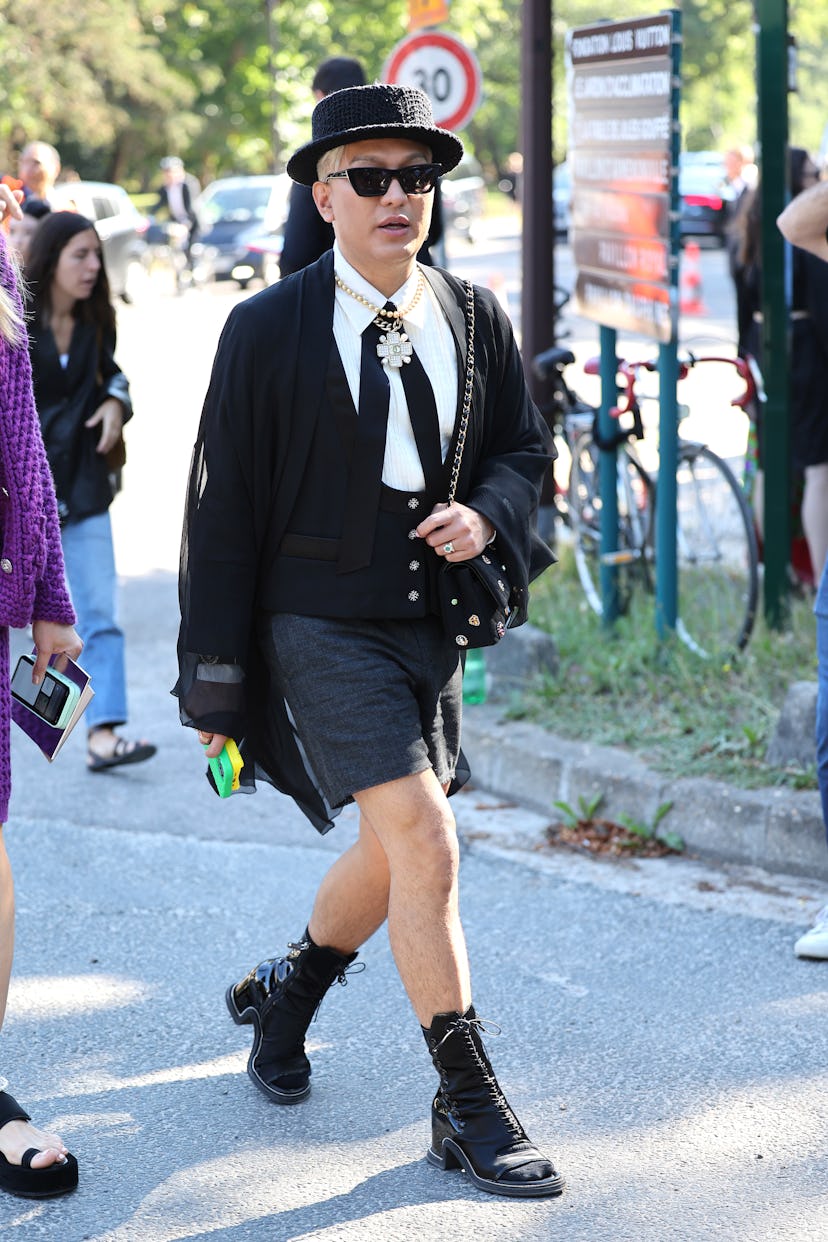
[124,752]
[21,1179]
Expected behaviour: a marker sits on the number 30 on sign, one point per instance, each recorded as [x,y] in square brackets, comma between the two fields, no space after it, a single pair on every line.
[445,69]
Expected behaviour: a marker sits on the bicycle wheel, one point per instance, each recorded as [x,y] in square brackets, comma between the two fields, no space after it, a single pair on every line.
[634,493]
[718,562]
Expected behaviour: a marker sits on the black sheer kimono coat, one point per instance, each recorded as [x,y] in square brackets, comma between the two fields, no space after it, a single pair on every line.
[267,386]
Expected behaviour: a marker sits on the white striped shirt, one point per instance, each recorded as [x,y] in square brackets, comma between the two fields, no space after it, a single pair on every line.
[431,336]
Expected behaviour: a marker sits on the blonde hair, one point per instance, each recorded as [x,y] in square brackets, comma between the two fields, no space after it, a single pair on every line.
[329,162]
[11,319]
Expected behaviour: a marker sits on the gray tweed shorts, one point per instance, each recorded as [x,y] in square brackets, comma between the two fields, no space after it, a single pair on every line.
[372,701]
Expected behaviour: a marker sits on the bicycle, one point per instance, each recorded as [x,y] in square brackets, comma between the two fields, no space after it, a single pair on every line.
[166,254]
[718,561]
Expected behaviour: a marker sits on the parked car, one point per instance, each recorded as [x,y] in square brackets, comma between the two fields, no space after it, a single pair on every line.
[118,222]
[562,199]
[704,195]
[464,196]
[242,221]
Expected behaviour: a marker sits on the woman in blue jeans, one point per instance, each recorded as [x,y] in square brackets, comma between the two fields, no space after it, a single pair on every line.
[83,401]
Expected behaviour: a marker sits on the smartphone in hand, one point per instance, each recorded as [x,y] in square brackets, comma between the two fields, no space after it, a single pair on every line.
[54,700]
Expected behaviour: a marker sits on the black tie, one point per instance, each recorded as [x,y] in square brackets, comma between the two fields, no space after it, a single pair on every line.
[365,474]
[422,410]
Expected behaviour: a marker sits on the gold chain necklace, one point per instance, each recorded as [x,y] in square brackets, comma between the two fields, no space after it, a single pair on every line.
[394,347]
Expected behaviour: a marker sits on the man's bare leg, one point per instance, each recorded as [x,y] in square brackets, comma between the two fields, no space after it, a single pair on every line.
[414,824]
[279,997]
[352,901]
[472,1124]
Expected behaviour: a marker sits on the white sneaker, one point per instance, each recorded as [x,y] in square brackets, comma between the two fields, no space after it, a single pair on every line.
[815,942]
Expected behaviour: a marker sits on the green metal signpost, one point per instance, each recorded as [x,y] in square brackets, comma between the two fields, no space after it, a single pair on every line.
[624,88]
[772,87]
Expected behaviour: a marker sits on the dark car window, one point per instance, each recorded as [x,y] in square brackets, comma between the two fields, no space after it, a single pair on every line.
[239,205]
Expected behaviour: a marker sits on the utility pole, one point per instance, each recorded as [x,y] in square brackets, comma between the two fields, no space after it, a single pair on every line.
[772,89]
[538,245]
[272,46]
[538,276]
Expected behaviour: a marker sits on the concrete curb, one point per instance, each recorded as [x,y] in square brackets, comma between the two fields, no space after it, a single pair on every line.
[777,829]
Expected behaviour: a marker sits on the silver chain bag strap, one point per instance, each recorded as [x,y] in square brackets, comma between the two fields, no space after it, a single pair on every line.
[474,595]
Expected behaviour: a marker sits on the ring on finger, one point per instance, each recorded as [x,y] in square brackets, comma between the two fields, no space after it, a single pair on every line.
[448,548]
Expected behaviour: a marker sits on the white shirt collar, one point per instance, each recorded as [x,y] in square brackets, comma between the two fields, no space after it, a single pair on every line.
[360,316]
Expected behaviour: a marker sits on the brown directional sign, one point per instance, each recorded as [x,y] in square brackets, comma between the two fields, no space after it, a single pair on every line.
[640,38]
[642,172]
[633,214]
[633,306]
[622,123]
[626,256]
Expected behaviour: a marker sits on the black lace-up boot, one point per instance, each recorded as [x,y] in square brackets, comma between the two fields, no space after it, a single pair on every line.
[280,998]
[472,1125]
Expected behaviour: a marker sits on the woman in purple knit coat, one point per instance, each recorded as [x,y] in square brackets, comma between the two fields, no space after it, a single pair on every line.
[33,1163]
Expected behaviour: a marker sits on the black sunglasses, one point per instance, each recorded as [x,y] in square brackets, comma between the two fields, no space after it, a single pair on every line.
[374,182]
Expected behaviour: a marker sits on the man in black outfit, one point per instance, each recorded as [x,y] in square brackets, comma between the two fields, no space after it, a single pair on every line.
[316,529]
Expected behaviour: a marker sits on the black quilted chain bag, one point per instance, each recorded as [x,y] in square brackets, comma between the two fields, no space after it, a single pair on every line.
[474,596]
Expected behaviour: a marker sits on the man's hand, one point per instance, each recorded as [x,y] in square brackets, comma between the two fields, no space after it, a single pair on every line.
[110,417]
[51,638]
[455,531]
[215,743]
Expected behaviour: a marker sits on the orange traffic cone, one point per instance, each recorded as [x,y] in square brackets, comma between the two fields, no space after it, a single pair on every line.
[690,285]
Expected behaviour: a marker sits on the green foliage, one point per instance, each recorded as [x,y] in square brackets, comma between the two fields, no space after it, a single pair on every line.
[648,830]
[76,74]
[116,84]
[586,810]
[681,713]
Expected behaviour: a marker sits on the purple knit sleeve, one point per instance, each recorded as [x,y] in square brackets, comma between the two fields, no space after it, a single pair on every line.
[52,601]
[32,577]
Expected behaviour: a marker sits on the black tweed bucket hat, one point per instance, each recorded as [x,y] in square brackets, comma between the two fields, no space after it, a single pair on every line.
[379,111]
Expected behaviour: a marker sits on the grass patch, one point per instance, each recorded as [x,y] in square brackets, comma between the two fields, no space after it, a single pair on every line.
[681,713]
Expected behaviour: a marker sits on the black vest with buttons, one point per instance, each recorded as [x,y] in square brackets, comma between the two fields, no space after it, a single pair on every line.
[303,577]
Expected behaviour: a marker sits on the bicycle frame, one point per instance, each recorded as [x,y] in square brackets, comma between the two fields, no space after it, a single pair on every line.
[715,533]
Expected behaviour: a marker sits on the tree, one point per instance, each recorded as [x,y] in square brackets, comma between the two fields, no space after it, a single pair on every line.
[116,84]
[76,74]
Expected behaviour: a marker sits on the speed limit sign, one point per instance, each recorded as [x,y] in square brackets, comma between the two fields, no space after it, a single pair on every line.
[445,69]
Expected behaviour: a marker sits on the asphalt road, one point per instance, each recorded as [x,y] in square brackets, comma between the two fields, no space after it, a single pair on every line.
[659,1038]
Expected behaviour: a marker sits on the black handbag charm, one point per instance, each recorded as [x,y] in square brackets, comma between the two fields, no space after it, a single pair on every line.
[474,595]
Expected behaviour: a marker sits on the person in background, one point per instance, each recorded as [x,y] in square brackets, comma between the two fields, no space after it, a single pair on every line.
[83,401]
[306,235]
[804,223]
[22,230]
[738,160]
[38,169]
[310,622]
[809,376]
[33,1163]
[175,200]
[808,365]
